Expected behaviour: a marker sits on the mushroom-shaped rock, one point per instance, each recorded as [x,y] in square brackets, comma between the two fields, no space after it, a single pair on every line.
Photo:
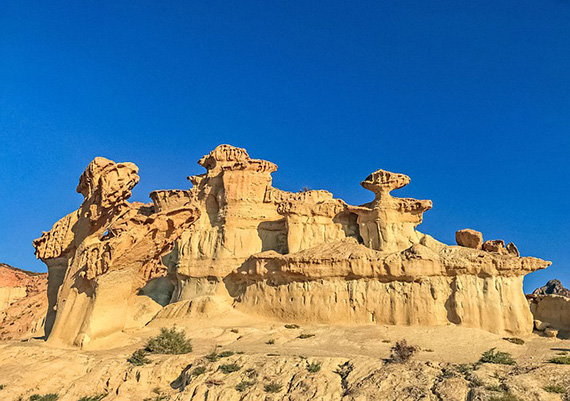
[388,223]
[469,238]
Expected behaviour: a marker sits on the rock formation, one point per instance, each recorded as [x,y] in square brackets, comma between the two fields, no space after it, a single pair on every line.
[23,303]
[240,242]
[101,257]
[550,306]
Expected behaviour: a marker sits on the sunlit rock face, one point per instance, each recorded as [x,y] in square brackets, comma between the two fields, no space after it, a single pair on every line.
[235,240]
[100,256]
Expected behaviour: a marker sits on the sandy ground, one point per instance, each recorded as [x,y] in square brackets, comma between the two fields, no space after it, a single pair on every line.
[36,367]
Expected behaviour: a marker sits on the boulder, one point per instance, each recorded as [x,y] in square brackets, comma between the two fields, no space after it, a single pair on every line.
[495,245]
[513,250]
[469,238]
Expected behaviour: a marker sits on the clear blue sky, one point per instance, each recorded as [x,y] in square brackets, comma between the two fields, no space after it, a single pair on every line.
[469,98]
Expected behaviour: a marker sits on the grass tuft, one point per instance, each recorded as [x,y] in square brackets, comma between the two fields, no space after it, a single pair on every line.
[497,357]
[514,340]
[46,397]
[553,388]
[244,385]
[229,368]
[561,360]
[292,326]
[314,367]
[138,358]
[93,398]
[273,387]
[305,336]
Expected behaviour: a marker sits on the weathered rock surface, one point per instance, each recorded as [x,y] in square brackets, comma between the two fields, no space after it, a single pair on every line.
[469,238]
[23,303]
[550,306]
[552,287]
[101,257]
[241,244]
[353,364]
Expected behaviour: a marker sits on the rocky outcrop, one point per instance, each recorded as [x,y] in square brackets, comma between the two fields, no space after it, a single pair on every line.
[103,257]
[23,303]
[550,306]
[304,256]
[552,287]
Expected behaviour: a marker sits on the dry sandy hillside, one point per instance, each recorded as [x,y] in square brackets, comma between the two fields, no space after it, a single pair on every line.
[347,363]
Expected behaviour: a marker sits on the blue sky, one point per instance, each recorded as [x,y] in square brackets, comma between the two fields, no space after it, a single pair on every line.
[471,99]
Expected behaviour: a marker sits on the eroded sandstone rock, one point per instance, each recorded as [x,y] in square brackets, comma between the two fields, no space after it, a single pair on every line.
[469,238]
[495,245]
[245,245]
[23,303]
[101,255]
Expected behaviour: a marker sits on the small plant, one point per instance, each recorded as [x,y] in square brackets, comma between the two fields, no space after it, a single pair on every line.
[514,340]
[169,341]
[270,341]
[292,326]
[225,354]
[386,341]
[157,398]
[497,357]
[561,360]
[2,386]
[234,331]
[553,388]
[314,367]
[213,356]
[305,336]
[251,373]
[47,397]
[273,387]
[200,370]
[505,397]
[138,358]
[465,368]
[93,398]
[343,371]
[229,368]
[402,352]
[244,385]
[498,389]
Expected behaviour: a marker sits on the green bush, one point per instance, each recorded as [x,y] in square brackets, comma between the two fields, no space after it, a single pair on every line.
[138,358]
[292,326]
[553,388]
[402,352]
[272,387]
[229,368]
[314,367]
[93,398]
[47,397]
[198,371]
[244,385]
[561,360]
[497,357]
[305,336]
[213,356]
[270,341]
[514,340]
[505,397]
[225,354]
[169,341]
